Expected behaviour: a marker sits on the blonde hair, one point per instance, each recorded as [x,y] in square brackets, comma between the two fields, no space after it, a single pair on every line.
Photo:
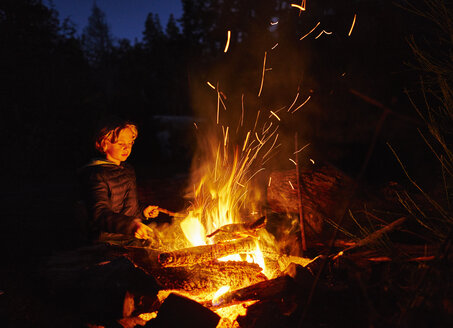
[111,133]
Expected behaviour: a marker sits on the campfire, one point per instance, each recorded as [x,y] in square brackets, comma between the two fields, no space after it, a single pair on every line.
[222,256]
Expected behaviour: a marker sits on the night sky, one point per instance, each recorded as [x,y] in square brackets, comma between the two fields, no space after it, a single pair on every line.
[125,18]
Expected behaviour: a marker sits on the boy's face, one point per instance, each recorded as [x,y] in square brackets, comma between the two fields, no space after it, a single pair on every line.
[120,150]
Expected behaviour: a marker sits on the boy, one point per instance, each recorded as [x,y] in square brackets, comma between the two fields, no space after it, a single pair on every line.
[109,190]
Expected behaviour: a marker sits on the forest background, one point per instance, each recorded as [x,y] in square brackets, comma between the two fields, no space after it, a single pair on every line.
[57,85]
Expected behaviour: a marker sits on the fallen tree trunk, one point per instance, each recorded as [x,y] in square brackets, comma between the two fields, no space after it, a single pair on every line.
[322,194]
[206,253]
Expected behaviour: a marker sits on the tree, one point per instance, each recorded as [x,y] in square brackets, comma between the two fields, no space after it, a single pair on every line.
[153,36]
[96,37]
[172,30]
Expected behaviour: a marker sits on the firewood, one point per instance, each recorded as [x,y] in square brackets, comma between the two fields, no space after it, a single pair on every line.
[206,253]
[237,230]
[265,290]
[203,278]
[323,190]
[180,311]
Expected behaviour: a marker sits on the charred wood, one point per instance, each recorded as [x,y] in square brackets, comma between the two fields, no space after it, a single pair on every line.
[179,311]
[206,253]
[203,278]
[265,290]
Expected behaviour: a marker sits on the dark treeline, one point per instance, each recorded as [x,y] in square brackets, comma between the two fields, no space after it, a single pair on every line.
[57,84]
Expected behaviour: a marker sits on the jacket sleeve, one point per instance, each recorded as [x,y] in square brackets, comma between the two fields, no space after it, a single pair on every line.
[100,211]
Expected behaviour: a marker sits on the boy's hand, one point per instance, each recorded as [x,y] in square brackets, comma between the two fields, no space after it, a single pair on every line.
[151,211]
[144,232]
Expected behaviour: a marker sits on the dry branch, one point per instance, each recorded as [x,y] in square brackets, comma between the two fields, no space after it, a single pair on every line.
[374,236]
[207,253]
[237,230]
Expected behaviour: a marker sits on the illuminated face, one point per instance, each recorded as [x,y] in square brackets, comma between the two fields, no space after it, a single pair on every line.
[120,150]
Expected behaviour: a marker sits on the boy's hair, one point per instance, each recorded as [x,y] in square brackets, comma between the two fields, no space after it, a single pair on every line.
[111,132]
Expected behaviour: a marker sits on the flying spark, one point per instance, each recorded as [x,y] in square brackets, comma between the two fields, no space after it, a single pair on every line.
[301,148]
[278,118]
[218,106]
[312,161]
[301,7]
[196,126]
[292,187]
[225,136]
[256,135]
[310,31]
[256,121]
[275,46]
[228,41]
[270,180]
[352,26]
[262,77]
[274,23]
[210,84]
[293,161]
[246,139]
[297,96]
[275,140]
[301,105]
[322,32]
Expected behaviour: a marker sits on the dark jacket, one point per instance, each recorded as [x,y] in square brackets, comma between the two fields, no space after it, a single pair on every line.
[109,192]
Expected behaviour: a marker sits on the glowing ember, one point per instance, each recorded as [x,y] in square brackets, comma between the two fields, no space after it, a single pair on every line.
[220,292]
[148,316]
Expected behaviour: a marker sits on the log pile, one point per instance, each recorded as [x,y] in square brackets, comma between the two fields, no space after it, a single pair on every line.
[206,253]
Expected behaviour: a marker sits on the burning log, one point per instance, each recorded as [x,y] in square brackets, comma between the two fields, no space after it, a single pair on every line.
[202,278]
[206,253]
[322,191]
[179,311]
[265,290]
[237,230]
